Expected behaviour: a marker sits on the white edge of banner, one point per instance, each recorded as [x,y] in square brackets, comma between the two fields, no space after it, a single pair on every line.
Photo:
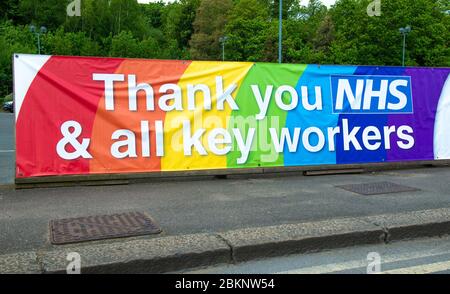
[26,67]
[442,124]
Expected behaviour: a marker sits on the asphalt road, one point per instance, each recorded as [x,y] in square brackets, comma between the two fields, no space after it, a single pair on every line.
[183,207]
[7,148]
[424,256]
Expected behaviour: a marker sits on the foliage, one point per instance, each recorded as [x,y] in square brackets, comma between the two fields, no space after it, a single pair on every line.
[12,39]
[209,26]
[191,29]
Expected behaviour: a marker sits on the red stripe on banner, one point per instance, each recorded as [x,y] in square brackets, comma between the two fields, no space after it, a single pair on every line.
[63,90]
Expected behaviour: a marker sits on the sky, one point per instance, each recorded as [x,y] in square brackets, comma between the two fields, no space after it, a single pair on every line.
[304,2]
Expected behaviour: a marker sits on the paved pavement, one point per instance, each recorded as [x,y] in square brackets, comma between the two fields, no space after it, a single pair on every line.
[423,256]
[6,148]
[203,206]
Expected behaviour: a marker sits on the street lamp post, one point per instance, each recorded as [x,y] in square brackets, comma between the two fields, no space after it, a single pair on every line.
[280,32]
[404,31]
[223,40]
[41,31]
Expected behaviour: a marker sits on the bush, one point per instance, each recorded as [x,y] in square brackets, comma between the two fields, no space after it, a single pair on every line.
[8,98]
[13,39]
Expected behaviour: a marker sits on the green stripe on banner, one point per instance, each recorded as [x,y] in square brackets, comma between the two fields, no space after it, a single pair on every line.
[262,75]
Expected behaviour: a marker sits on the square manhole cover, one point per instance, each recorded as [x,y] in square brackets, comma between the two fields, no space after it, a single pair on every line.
[99,227]
[377,188]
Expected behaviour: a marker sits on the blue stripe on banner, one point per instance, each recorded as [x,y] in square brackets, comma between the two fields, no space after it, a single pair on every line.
[315,75]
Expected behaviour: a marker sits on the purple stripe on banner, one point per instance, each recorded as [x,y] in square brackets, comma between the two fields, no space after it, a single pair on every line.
[427,84]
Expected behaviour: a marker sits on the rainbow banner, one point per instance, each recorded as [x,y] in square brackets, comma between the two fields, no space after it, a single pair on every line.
[83,115]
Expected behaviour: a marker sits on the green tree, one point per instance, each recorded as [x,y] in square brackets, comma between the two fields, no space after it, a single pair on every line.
[190,29]
[247,31]
[376,40]
[49,13]
[153,13]
[96,20]
[13,39]
[127,16]
[180,23]
[273,7]
[125,45]
[309,32]
[8,9]
[69,43]
[209,26]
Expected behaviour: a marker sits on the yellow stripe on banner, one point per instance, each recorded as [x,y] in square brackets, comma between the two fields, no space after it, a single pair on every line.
[200,73]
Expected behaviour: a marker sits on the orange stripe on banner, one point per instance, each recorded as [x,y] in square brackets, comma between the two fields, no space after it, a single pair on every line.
[153,72]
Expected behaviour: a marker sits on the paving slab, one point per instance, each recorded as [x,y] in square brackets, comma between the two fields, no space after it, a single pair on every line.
[414,224]
[141,256]
[20,263]
[251,243]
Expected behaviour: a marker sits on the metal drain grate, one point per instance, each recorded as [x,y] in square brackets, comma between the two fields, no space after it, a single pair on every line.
[99,227]
[377,188]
